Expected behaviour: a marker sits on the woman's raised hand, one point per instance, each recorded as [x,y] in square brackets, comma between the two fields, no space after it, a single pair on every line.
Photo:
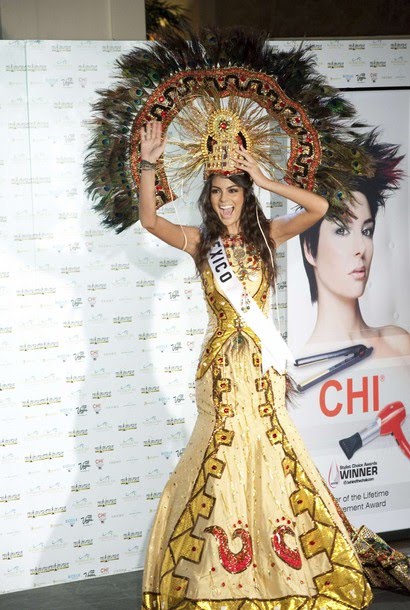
[152,146]
[247,163]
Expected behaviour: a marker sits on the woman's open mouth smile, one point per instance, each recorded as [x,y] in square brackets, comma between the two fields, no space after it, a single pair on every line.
[226,210]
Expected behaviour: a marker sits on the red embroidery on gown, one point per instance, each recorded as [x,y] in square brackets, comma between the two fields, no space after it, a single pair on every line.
[232,562]
[288,555]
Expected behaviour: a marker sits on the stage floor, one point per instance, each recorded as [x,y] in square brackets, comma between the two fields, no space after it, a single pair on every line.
[123,592]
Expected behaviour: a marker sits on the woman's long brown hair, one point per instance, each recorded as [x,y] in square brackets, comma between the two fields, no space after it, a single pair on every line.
[213,228]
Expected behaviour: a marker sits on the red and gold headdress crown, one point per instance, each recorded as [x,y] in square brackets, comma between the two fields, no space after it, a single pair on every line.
[220,142]
[214,92]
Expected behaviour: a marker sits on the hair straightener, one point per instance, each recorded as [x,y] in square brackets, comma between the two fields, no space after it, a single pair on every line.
[354,354]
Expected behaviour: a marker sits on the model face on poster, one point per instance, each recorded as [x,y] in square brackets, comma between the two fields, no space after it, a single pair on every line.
[344,254]
[337,261]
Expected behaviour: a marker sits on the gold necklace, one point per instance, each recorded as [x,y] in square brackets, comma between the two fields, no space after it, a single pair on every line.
[247,263]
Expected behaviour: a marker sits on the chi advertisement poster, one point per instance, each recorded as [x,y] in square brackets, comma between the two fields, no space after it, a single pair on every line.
[353,342]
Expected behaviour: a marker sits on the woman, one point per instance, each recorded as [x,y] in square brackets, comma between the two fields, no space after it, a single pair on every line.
[245,473]
[337,261]
[245,519]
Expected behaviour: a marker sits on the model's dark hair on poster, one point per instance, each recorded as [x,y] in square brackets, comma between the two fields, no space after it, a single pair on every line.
[212,228]
[386,178]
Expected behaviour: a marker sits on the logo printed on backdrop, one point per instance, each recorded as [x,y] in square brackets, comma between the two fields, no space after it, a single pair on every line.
[399,61]
[83,542]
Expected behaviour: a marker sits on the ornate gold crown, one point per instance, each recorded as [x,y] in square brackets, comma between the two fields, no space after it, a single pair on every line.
[209,131]
[220,143]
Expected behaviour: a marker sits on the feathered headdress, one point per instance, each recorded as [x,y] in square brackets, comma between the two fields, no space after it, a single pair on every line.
[205,85]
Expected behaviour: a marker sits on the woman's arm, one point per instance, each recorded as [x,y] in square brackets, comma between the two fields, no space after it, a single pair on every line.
[182,237]
[283,228]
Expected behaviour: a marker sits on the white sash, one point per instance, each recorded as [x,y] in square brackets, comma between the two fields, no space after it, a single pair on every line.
[275,351]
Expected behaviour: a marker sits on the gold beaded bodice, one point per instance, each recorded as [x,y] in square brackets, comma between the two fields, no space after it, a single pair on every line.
[225,323]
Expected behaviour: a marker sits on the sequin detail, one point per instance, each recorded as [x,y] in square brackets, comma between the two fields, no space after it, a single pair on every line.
[225,320]
[232,562]
[289,555]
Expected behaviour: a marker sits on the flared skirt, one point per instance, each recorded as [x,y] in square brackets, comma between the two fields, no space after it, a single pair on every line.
[245,520]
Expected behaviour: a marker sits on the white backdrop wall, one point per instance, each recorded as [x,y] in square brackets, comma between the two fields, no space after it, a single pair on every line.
[99,333]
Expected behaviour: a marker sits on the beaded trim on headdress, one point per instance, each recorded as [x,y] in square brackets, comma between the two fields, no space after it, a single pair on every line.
[233,82]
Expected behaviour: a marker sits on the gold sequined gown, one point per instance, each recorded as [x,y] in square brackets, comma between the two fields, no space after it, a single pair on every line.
[245,520]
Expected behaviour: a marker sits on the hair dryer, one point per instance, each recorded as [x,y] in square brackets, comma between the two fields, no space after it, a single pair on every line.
[388,421]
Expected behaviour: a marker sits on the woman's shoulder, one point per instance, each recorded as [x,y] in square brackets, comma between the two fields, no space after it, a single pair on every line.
[394,339]
[392,330]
